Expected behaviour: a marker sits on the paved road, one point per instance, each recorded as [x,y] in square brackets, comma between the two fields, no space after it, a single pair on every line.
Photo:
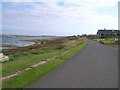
[94,67]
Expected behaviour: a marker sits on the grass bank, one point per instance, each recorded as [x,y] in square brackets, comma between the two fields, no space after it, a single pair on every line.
[40,43]
[26,59]
[23,60]
[108,41]
[25,79]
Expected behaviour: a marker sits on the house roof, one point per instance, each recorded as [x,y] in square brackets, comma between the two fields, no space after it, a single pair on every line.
[117,31]
[108,31]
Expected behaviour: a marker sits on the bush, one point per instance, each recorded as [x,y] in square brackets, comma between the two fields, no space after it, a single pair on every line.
[41,52]
[73,38]
[60,46]
[34,53]
[25,54]
[11,59]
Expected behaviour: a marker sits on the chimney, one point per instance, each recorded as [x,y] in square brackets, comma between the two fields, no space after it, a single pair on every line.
[104,28]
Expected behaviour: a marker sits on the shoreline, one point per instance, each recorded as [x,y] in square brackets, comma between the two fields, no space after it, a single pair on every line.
[39,44]
[56,55]
[25,36]
[23,42]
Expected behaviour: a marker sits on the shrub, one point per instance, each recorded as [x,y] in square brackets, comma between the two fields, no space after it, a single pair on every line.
[60,46]
[24,53]
[73,38]
[34,53]
[11,59]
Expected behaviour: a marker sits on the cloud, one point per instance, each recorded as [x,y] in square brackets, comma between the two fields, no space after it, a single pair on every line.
[81,11]
[37,16]
[75,11]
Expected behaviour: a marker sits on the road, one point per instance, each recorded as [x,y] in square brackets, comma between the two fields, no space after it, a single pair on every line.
[94,67]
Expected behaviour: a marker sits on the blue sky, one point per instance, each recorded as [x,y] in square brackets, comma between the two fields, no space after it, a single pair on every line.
[59,17]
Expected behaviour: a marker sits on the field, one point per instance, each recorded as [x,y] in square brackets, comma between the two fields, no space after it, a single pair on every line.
[23,60]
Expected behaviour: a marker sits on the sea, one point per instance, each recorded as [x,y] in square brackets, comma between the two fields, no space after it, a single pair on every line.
[16,41]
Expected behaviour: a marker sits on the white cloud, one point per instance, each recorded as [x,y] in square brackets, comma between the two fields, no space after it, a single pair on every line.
[83,10]
[77,11]
[73,11]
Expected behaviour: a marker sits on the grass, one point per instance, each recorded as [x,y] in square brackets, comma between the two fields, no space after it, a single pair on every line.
[23,60]
[108,41]
[25,79]
[46,43]
[105,39]
[0,76]
[98,39]
[26,59]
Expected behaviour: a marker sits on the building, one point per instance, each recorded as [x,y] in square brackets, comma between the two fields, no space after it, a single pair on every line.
[83,35]
[108,33]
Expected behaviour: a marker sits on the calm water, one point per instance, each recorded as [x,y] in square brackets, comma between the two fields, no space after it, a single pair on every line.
[15,41]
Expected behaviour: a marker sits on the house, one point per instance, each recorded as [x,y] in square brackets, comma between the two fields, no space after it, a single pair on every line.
[109,33]
[83,35]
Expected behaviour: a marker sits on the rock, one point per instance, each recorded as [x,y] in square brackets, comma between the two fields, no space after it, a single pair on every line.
[3,57]
[116,41]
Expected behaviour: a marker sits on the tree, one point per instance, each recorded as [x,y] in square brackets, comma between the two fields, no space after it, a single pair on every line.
[114,34]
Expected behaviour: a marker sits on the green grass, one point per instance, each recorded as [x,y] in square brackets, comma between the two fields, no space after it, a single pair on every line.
[0,75]
[108,41]
[23,60]
[105,39]
[25,79]
[26,59]
[98,39]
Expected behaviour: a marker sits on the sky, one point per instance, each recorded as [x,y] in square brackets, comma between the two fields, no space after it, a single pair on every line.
[58,17]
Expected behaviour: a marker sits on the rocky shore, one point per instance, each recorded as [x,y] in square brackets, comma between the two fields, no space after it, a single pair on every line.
[39,44]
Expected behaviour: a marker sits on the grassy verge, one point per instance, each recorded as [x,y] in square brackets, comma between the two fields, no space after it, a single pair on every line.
[108,41]
[26,78]
[40,43]
[23,60]
[26,59]
[0,76]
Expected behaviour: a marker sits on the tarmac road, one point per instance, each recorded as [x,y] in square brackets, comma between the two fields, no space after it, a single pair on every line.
[94,67]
